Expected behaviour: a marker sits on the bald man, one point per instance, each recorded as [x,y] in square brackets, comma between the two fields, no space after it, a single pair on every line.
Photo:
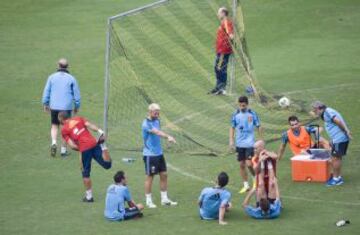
[61,93]
[264,162]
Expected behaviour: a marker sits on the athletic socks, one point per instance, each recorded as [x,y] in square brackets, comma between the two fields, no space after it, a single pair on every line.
[103,146]
[53,142]
[63,150]
[164,196]
[148,198]
[88,194]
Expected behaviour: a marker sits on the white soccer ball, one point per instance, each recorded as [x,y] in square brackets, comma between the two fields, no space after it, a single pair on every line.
[284,102]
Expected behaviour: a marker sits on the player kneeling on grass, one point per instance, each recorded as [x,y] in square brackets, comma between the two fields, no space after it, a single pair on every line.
[215,201]
[76,133]
[266,208]
[116,196]
[153,156]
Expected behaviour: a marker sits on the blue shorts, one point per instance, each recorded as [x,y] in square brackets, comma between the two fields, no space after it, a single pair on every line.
[88,155]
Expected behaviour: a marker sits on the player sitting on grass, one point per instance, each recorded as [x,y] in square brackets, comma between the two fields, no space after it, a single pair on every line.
[76,133]
[299,138]
[265,208]
[215,201]
[116,196]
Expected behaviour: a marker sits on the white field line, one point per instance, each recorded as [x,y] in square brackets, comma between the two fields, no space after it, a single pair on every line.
[198,178]
[321,88]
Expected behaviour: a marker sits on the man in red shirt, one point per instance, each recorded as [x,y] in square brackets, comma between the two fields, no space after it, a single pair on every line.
[76,133]
[225,34]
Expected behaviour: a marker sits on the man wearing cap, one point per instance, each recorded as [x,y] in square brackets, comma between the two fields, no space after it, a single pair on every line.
[340,136]
[61,93]
[153,156]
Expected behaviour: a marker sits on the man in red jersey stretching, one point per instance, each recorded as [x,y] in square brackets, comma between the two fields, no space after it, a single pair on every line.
[76,133]
[224,36]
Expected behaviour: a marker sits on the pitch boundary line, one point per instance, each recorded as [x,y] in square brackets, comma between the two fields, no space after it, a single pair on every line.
[198,178]
[320,88]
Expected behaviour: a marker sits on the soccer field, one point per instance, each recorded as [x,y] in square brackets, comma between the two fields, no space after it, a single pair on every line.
[309,49]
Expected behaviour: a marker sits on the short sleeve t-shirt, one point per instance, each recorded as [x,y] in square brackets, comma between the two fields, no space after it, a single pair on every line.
[75,129]
[152,142]
[244,123]
[116,196]
[211,200]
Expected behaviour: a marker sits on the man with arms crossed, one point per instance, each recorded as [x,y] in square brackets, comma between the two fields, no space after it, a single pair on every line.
[215,201]
[340,136]
[153,156]
[116,196]
[61,93]
[76,133]
[243,124]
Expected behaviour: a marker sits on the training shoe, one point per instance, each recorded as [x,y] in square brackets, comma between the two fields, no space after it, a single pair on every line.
[150,205]
[340,181]
[331,182]
[65,154]
[244,189]
[213,91]
[53,150]
[88,200]
[168,202]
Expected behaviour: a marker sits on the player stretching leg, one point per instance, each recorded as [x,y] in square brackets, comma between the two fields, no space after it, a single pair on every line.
[76,133]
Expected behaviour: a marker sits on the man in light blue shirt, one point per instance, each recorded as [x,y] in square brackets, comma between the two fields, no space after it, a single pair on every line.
[215,201]
[244,121]
[116,196]
[153,156]
[61,93]
[340,136]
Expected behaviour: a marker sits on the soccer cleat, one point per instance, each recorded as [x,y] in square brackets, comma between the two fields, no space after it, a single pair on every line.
[213,91]
[168,202]
[244,189]
[150,205]
[53,150]
[88,200]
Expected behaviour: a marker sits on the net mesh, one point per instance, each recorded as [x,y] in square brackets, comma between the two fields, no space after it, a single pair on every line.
[166,55]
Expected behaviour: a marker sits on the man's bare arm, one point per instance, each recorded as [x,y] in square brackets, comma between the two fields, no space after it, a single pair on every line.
[248,197]
[163,135]
[281,151]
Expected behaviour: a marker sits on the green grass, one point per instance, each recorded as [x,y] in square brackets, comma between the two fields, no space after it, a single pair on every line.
[294,45]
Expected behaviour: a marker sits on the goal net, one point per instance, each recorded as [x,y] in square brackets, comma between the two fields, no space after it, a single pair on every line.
[164,53]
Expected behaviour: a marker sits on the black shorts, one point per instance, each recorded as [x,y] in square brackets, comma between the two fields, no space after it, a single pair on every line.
[131,213]
[88,155]
[154,164]
[339,149]
[54,116]
[244,153]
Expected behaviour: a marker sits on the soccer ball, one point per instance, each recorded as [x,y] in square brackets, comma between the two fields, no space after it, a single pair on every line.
[284,102]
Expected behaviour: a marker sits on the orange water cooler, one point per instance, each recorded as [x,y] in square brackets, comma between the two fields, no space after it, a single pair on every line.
[303,168]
